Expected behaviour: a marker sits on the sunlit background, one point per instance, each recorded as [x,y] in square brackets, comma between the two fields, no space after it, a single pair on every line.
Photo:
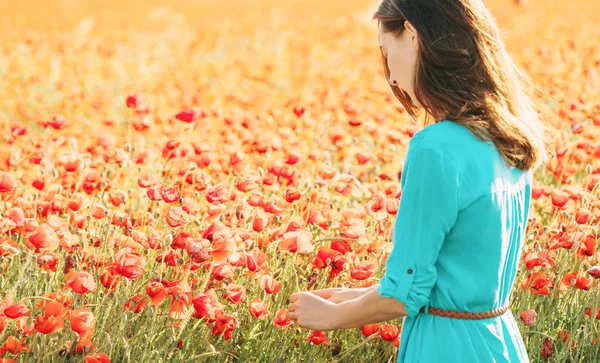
[263,134]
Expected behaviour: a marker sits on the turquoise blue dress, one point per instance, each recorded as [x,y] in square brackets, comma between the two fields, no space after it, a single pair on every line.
[457,242]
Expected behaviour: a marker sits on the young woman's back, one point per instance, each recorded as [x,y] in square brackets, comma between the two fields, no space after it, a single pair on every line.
[463,253]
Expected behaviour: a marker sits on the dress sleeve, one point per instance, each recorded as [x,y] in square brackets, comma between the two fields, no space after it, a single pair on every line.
[428,210]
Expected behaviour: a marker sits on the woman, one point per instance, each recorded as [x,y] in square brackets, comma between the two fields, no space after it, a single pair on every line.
[466,189]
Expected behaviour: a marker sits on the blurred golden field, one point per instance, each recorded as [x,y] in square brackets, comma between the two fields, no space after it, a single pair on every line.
[170,172]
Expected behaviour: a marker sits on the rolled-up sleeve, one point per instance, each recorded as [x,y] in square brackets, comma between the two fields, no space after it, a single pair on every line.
[428,210]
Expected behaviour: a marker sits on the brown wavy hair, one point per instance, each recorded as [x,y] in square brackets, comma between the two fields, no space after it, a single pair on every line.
[464,74]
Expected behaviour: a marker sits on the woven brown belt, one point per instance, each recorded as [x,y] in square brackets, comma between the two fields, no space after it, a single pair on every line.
[467,315]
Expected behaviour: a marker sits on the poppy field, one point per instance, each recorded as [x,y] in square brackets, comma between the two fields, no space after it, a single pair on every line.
[171,172]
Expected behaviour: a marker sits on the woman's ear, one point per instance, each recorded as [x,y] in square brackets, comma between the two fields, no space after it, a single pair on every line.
[412,31]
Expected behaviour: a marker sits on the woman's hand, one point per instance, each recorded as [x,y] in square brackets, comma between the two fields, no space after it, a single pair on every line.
[311,311]
[340,294]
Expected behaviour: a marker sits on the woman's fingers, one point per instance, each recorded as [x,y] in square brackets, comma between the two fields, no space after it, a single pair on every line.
[294,297]
[326,293]
[292,315]
[292,307]
[336,298]
[322,293]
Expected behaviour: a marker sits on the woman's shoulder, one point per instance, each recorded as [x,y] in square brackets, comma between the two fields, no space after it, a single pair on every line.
[478,164]
[448,137]
[442,133]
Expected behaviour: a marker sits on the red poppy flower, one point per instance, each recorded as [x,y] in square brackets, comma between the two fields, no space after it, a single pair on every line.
[255,259]
[260,221]
[325,257]
[236,294]
[56,308]
[363,270]
[157,292]
[76,202]
[538,283]
[21,325]
[84,343]
[390,333]
[225,323]
[154,192]
[72,163]
[341,246]
[217,194]
[96,358]
[542,258]
[136,304]
[596,311]
[318,337]
[246,185]
[12,345]
[170,194]
[297,241]
[97,211]
[370,329]
[179,306]
[69,242]
[559,198]
[298,111]
[48,324]
[577,281]
[117,197]
[190,115]
[528,317]
[48,261]
[547,349]
[109,280]
[7,182]
[292,194]
[281,320]
[82,320]
[81,282]
[3,323]
[16,311]
[594,271]
[176,217]
[588,246]
[129,263]
[134,100]
[258,309]
[269,284]
[147,180]
[222,271]
[44,238]
[206,306]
